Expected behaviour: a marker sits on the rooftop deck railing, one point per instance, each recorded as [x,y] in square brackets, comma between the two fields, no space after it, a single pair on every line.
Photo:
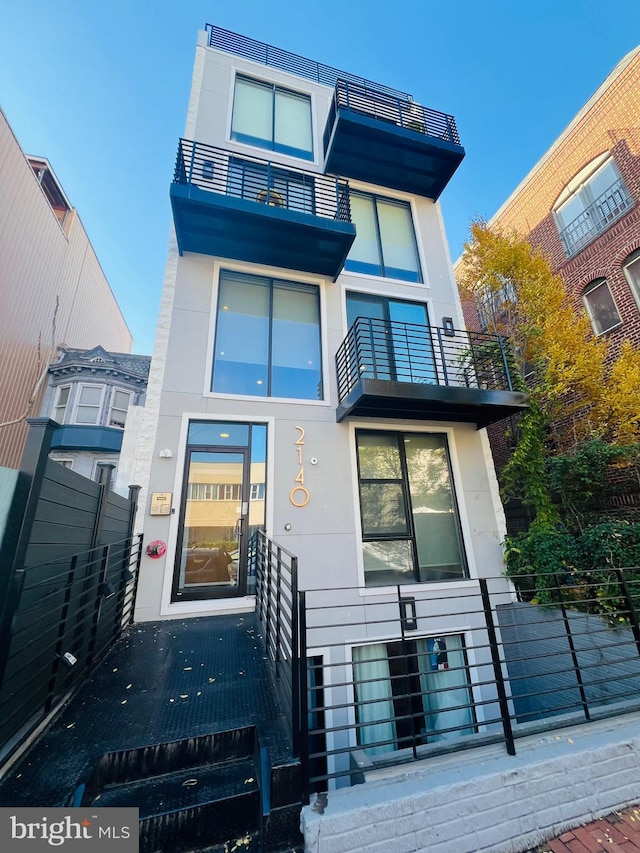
[386,107]
[408,352]
[596,218]
[410,685]
[285,61]
[253,179]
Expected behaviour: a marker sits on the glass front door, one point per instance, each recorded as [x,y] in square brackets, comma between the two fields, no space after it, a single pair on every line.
[222,509]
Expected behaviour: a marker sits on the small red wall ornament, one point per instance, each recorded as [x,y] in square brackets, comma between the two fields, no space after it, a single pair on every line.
[156,549]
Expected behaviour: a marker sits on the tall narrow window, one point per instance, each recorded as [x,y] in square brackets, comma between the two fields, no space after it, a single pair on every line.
[600,306]
[267,338]
[632,272]
[385,242]
[271,117]
[119,405]
[410,524]
[62,400]
[89,404]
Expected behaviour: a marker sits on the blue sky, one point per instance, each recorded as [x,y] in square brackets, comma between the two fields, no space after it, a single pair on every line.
[101,90]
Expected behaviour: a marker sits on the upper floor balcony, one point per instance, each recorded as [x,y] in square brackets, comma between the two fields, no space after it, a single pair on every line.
[251,209]
[390,141]
[85,437]
[388,369]
[596,217]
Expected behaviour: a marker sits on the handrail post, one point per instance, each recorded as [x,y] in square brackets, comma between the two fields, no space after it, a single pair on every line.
[497,668]
[572,648]
[445,374]
[191,164]
[507,372]
[303,740]
[296,698]
[633,615]
[278,606]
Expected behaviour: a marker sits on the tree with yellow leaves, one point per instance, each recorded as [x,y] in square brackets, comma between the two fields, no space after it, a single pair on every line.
[576,393]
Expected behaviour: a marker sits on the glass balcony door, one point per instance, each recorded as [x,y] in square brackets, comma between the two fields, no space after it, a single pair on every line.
[396,344]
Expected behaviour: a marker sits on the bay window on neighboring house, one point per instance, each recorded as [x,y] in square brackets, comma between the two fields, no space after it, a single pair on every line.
[631,269]
[89,404]
[62,400]
[272,117]
[413,692]
[592,201]
[385,243]
[119,406]
[410,523]
[267,340]
[601,308]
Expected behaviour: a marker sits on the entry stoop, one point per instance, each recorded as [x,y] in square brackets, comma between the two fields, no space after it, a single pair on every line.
[210,793]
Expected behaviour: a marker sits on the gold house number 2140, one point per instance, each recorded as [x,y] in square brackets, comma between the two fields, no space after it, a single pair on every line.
[299,494]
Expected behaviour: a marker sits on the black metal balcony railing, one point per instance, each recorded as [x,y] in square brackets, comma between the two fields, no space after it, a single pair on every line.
[407,352]
[596,218]
[284,60]
[388,108]
[424,689]
[257,180]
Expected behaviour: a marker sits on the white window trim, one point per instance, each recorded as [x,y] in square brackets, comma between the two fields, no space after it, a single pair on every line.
[115,391]
[210,607]
[269,154]
[590,288]
[114,470]
[465,529]
[59,390]
[62,459]
[77,403]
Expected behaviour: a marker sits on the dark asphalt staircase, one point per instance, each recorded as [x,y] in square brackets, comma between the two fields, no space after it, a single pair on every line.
[213,793]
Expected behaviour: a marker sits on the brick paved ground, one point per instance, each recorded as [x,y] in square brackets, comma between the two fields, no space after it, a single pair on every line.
[618,832]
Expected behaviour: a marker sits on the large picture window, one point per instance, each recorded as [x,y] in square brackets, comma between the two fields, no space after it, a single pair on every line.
[411,693]
[267,338]
[271,117]
[385,242]
[410,525]
[595,198]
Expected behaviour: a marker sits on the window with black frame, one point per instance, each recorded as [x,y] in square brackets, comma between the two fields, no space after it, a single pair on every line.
[412,693]
[410,521]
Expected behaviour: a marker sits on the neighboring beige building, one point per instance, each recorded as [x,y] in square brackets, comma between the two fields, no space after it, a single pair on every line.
[45,258]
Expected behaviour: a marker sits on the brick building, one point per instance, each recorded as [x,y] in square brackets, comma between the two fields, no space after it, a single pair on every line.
[580,204]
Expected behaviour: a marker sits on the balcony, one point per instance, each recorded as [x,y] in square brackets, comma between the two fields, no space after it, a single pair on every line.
[388,369]
[254,210]
[596,218]
[390,141]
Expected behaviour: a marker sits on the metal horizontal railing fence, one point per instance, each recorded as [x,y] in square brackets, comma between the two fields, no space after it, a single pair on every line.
[595,218]
[407,674]
[261,181]
[384,106]
[285,61]
[58,620]
[277,610]
[408,352]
